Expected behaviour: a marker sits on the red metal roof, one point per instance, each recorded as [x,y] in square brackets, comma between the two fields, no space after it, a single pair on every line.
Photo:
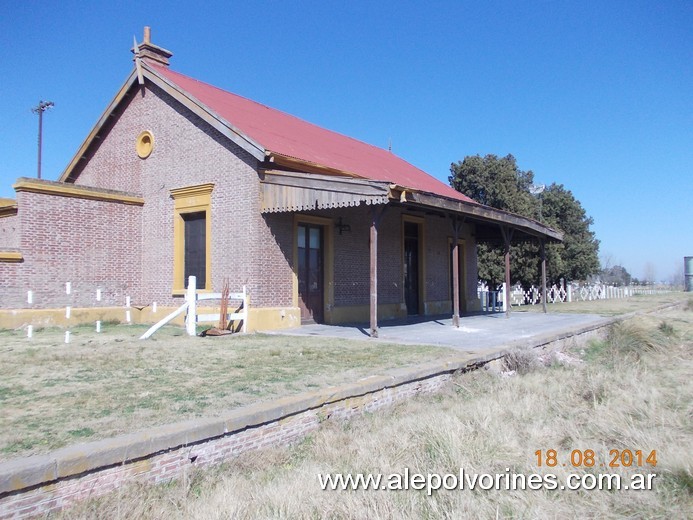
[288,135]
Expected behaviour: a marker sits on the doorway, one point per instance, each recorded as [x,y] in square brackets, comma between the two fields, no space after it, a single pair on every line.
[411,267]
[311,294]
[195,247]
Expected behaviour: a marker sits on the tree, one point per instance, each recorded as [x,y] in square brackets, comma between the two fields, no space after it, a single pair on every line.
[499,183]
[616,275]
[496,182]
[577,257]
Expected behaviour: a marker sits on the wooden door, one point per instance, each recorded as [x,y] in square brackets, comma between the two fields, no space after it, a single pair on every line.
[311,276]
[195,255]
[411,267]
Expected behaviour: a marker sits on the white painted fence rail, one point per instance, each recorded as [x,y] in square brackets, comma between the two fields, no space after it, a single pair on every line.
[192,297]
[494,300]
[192,317]
[491,301]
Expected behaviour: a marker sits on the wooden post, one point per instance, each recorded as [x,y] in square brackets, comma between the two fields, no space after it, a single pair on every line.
[507,238]
[543,273]
[191,299]
[374,272]
[455,274]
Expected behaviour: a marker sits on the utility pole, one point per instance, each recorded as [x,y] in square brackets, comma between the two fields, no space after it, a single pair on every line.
[40,109]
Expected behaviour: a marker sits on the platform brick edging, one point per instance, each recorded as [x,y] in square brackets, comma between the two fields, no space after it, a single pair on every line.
[41,484]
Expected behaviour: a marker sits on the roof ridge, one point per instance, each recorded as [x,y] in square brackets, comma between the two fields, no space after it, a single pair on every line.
[306,140]
[169,70]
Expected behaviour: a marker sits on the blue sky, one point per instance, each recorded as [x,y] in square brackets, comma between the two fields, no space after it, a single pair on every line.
[597,96]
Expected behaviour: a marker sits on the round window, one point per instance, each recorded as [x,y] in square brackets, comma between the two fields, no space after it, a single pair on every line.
[145,144]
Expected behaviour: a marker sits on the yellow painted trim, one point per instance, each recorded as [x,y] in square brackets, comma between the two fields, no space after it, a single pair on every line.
[8,207]
[182,195]
[144,145]
[77,192]
[11,256]
[191,199]
[273,318]
[55,317]
[268,318]
[328,274]
[422,258]
[308,166]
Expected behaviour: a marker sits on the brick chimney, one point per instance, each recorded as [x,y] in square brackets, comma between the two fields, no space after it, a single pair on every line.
[152,53]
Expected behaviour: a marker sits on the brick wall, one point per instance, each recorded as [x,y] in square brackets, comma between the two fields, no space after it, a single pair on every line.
[89,243]
[11,287]
[275,261]
[188,151]
[352,256]
[251,249]
[390,260]
[9,232]
[96,242]
[437,235]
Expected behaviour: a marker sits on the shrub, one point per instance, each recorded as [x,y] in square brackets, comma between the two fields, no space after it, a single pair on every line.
[521,360]
[628,339]
[666,329]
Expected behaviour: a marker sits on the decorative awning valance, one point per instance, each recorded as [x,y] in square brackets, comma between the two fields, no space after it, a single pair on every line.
[292,191]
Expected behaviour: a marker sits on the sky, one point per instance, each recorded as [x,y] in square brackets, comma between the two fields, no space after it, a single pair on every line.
[597,96]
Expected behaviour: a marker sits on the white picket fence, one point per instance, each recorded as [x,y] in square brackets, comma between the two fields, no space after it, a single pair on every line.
[192,318]
[494,300]
[491,300]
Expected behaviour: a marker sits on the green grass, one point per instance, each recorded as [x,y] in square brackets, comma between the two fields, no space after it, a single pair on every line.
[631,391]
[613,307]
[99,385]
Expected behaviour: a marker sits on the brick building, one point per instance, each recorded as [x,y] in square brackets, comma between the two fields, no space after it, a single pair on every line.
[181,178]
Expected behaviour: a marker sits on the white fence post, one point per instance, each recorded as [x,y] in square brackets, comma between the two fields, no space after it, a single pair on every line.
[245,309]
[191,299]
[494,300]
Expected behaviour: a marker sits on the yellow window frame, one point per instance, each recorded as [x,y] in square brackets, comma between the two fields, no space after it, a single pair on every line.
[191,199]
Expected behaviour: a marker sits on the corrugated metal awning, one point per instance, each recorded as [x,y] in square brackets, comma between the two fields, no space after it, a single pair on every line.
[293,191]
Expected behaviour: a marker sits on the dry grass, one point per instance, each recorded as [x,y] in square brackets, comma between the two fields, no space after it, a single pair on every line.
[632,392]
[53,394]
[611,307]
[521,361]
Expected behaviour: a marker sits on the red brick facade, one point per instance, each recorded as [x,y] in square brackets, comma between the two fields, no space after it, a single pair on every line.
[9,231]
[89,243]
[128,250]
